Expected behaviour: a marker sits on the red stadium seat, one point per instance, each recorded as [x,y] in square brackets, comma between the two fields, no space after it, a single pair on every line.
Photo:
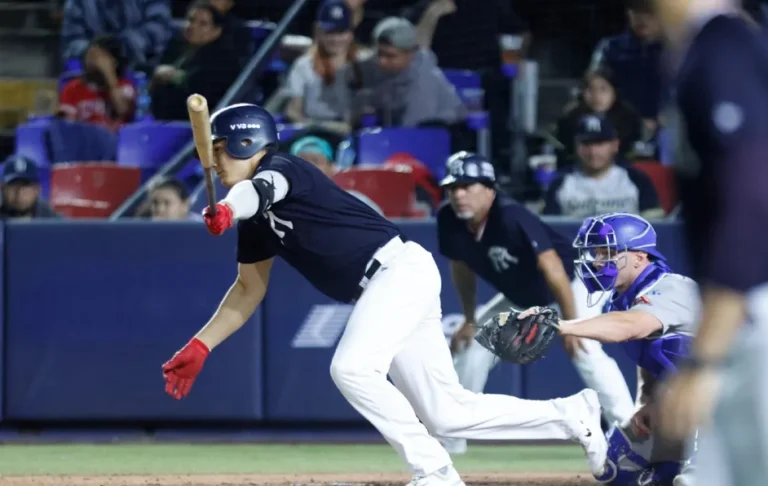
[392,191]
[92,190]
[663,178]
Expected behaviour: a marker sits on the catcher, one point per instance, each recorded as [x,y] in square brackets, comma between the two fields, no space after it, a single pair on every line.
[652,312]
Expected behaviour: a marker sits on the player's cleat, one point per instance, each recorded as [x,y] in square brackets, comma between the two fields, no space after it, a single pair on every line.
[585,415]
[447,476]
[455,447]
[683,479]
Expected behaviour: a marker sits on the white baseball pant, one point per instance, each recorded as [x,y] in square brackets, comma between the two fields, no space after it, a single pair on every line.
[733,449]
[598,370]
[395,328]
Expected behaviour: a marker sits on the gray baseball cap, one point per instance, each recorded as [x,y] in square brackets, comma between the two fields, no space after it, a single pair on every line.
[397,32]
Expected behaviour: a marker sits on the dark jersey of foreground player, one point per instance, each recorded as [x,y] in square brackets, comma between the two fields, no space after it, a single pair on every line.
[722,94]
[326,234]
[506,254]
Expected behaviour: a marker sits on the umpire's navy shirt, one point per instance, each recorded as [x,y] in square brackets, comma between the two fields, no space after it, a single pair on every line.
[322,231]
[507,254]
[722,95]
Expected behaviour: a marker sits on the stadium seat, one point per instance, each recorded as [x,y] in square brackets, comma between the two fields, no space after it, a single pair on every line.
[150,144]
[428,190]
[31,143]
[91,190]
[394,192]
[663,179]
[432,146]
[469,87]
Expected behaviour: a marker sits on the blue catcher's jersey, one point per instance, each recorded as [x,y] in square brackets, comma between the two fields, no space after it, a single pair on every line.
[325,233]
[672,299]
[506,254]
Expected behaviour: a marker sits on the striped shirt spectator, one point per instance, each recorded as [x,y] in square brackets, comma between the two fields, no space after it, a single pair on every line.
[143,26]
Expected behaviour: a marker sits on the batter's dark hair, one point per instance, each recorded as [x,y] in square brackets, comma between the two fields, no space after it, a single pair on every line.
[176,186]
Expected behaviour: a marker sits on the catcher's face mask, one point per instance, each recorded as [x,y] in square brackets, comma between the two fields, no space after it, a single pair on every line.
[600,258]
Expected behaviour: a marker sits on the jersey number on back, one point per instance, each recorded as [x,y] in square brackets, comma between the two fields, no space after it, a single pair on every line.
[279,226]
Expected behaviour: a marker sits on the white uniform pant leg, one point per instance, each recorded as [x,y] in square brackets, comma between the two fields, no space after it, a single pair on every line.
[599,371]
[739,432]
[385,320]
[424,371]
[474,363]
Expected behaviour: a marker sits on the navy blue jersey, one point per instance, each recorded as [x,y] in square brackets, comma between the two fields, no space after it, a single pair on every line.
[506,254]
[326,234]
[722,96]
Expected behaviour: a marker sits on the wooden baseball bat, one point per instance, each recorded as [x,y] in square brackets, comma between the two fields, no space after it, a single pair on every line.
[197,106]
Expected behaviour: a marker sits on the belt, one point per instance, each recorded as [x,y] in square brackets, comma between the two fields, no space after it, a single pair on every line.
[382,255]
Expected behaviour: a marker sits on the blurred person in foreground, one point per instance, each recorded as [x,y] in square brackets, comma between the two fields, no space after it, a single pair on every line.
[103,95]
[720,75]
[197,61]
[599,96]
[318,88]
[635,58]
[169,200]
[21,191]
[403,84]
[599,184]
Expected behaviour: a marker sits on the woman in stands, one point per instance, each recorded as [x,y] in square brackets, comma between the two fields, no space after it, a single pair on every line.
[600,95]
[196,61]
[320,83]
[169,200]
[103,95]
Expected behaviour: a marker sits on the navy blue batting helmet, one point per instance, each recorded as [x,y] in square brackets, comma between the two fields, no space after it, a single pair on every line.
[246,128]
[466,168]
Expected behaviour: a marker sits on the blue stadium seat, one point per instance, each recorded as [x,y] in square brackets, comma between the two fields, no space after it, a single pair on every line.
[150,144]
[431,146]
[31,141]
[466,83]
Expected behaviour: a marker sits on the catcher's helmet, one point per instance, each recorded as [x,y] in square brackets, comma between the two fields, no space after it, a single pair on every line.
[609,235]
[246,128]
[466,168]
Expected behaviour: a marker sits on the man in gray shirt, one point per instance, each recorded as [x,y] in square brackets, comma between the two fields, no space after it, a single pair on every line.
[402,82]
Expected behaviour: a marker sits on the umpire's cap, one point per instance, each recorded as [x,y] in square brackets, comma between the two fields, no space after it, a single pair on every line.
[468,167]
[247,129]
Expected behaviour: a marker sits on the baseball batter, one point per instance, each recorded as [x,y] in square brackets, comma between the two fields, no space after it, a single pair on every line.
[485,233]
[284,206]
[720,85]
[652,312]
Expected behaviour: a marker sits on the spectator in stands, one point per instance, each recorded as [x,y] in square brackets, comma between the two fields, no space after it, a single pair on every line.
[599,185]
[600,96]
[169,200]
[318,86]
[198,61]
[21,191]
[317,151]
[635,59]
[405,86]
[235,31]
[143,28]
[103,95]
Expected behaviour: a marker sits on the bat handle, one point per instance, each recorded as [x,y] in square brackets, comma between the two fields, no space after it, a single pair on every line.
[210,191]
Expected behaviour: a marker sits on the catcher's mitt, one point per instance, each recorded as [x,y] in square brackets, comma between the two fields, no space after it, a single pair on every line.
[523,340]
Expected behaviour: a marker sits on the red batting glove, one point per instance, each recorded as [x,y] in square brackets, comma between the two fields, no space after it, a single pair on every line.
[221,221]
[180,372]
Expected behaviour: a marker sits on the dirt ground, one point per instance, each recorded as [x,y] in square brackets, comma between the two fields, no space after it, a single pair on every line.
[293,480]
